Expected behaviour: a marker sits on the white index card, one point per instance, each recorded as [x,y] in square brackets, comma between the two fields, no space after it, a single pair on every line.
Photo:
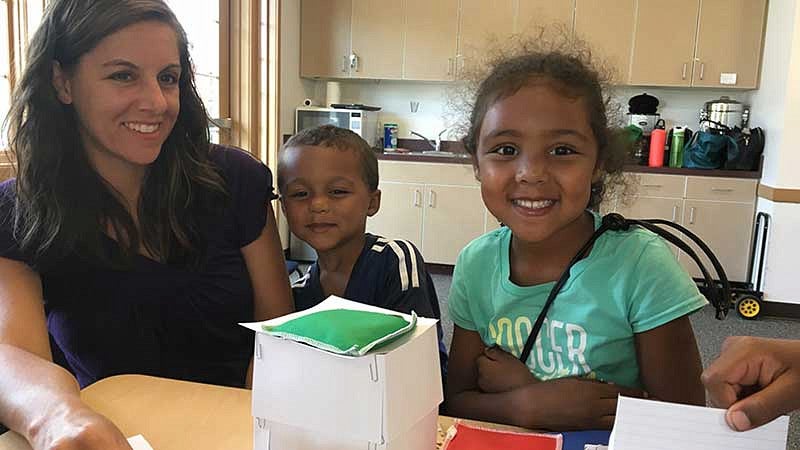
[653,425]
[138,442]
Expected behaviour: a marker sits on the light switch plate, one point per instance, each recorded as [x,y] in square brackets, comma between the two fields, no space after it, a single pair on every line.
[727,78]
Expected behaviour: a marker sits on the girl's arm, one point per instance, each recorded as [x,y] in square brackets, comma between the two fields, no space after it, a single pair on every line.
[563,404]
[272,296]
[669,363]
[39,399]
[463,399]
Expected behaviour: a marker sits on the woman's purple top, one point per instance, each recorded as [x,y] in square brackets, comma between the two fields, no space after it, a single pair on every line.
[160,319]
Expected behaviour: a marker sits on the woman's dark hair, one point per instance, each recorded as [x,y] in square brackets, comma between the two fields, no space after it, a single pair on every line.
[567,66]
[63,205]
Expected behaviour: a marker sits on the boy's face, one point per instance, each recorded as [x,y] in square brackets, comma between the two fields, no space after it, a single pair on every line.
[325,198]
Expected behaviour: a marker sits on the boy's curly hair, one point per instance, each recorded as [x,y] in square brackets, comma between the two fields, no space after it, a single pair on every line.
[567,63]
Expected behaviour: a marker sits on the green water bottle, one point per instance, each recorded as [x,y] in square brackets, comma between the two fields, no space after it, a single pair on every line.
[676,149]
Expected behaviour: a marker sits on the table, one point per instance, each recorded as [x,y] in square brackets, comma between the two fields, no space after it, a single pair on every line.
[177,415]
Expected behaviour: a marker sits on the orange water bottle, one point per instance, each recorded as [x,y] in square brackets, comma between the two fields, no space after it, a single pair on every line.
[658,140]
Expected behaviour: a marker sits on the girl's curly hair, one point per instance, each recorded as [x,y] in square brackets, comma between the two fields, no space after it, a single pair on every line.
[568,64]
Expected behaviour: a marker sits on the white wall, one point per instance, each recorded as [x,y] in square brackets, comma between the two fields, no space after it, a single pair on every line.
[775,108]
[293,89]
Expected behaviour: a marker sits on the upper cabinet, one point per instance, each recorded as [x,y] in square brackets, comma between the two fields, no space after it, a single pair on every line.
[680,43]
[376,30]
[608,25]
[325,38]
[712,43]
[533,14]
[664,42]
[729,42]
[431,37]
[483,22]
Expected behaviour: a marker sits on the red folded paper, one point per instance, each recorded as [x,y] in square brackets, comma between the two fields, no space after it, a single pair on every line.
[467,437]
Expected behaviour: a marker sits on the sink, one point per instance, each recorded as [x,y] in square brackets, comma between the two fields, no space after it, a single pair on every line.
[437,153]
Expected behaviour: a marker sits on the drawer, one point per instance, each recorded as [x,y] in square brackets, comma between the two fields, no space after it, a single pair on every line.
[721,189]
[650,185]
[425,173]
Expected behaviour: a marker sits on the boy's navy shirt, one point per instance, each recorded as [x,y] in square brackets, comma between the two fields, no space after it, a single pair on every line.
[388,274]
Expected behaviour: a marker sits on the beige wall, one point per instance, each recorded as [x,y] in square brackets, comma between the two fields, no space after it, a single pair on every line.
[776,108]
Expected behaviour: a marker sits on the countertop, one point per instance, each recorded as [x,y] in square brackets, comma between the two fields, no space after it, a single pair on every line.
[462,158]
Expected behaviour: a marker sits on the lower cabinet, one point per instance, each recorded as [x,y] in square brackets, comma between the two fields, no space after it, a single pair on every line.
[727,228]
[453,216]
[718,210]
[400,216]
[439,218]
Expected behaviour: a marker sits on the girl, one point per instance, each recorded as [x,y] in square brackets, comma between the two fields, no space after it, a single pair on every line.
[542,150]
[128,237]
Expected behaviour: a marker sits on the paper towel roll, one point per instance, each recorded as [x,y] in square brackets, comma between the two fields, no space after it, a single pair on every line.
[308,102]
[332,93]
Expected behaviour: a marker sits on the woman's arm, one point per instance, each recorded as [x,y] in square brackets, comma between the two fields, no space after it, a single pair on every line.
[669,363]
[39,399]
[267,269]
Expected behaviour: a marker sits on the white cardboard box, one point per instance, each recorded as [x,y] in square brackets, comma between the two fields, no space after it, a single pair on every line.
[308,399]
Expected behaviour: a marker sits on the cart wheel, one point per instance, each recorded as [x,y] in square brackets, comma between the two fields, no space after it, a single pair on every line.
[748,306]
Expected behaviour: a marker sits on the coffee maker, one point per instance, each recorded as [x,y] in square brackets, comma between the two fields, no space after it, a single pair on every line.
[642,114]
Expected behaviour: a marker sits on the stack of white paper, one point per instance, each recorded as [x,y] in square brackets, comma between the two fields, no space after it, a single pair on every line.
[138,442]
[652,425]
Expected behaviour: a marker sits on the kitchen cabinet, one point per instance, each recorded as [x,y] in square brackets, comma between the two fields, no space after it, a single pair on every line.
[608,26]
[439,217]
[483,21]
[533,14]
[712,43]
[325,38]
[454,216]
[718,210]
[431,38]
[377,34]
[729,41]
[664,43]
[400,215]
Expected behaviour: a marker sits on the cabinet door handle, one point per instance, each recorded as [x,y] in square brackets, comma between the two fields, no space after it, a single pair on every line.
[721,190]
[691,215]
[344,63]
[354,61]
[653,185]
[674,212]
[431,198]
[417,198]
[449,66]
[683,76]
[702,70]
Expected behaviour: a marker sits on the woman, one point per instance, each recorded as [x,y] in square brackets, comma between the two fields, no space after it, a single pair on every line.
[137,244]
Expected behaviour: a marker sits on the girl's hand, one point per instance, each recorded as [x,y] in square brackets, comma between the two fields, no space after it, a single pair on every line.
[77,427]
[500,371]
[770,367]
[570,404]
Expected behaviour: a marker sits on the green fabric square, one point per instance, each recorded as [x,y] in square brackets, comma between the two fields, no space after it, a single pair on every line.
[344,331]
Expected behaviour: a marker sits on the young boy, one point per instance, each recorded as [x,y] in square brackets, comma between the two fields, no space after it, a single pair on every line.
[328,180]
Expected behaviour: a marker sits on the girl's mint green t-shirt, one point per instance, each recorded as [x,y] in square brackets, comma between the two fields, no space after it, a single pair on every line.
[630,283]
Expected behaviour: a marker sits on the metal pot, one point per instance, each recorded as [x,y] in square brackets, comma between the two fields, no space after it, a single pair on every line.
[723,114]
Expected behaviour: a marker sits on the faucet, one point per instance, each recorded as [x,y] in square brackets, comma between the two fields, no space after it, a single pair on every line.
[435,144]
